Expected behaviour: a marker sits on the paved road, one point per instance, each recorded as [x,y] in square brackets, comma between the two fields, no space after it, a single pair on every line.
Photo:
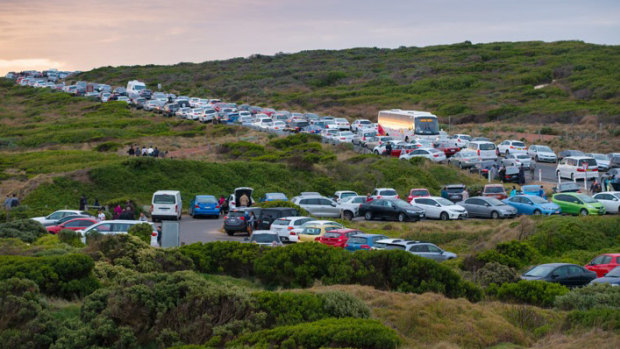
[204,230]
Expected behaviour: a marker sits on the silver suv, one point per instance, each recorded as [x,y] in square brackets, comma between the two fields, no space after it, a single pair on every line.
[318,206]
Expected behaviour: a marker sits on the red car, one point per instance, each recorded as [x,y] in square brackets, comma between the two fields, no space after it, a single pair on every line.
[74,224]
[448,148]
[495,190]
[602,264]
[400,148]
[418,193]
[338,237]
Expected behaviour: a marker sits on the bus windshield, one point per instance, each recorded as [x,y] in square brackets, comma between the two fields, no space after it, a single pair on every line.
[426,126]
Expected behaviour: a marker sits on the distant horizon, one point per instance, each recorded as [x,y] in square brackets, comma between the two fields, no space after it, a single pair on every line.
[88,34]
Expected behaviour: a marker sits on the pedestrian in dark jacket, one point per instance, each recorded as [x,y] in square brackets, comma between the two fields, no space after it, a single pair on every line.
[502,174]
[388,149]
[521,175]
[83,202]
[131,151]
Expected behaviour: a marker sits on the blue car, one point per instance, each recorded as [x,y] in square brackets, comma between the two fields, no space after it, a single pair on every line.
[533,190]
[204,205]
[313,129]
[362,242]
[532,205]
[273,197]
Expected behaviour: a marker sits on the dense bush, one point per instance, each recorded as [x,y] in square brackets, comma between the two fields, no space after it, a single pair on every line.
[495,273]
[70,237]
[288,308]
[223,257]
[65,276]
[26,230]
[515,254]
[593,296]
[143,231]
[540,293]
[599,318]
[133,253]
[355,333]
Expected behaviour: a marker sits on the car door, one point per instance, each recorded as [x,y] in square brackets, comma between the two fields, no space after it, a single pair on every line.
[476,207]
[435,253]
[429,206]
[577,276]
[390,210]
[330,208]
[308,205]
[528,205]
[560,275]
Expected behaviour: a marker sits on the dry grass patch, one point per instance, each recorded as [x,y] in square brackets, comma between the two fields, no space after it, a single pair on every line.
[579,340]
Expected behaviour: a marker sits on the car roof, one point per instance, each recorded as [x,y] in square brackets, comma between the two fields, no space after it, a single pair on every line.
[365,235]
[269,232]
[579,157]
[455,185]
[494,185]
[173,192]
[293,217]
[385,189]
[556,264]
[322,222]
[389,241]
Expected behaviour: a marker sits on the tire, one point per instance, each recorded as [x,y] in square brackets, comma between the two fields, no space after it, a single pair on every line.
[507,152]
[557,174]
[444,216]
[583,212]
[368,216]
[401,217]
[461,165]
[537,213]
[348,215]
[494,215]
[230,233]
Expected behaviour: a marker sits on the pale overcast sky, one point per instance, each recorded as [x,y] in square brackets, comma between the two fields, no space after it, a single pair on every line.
[84,34]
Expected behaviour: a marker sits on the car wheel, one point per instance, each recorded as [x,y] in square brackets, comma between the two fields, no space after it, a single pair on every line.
[583,212]
[537,213]
[507,152]
[348,215]
[230,233]
[461,165]
[494,215]
[536,158]
[401,217]
[368,216]
[443,216]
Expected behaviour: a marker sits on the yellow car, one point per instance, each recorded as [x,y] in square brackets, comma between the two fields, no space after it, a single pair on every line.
[314,229]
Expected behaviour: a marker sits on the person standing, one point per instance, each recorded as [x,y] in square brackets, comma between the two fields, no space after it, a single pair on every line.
[96,204]
[513,192]
[131,151]
[155,152]
[149,151]
[502,174]
[221,203]
[595,187]
[541,192]
[251,222]
[144,150]
[521,175]
[100,216]
[142,217]
[388,149]
[117,211]
[606,184]
[7,202]
[83,202]
[14,201]
[493,171]
[532,170]
[368,197]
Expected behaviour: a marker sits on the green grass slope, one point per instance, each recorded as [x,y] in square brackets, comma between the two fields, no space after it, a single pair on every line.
[479,82]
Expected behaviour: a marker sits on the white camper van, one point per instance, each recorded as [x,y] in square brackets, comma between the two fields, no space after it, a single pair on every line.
[134,87]
[166,204]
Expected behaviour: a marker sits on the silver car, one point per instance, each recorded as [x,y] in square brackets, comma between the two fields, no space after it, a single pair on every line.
[318,206]
[422,249]
[518,159]
[488,207]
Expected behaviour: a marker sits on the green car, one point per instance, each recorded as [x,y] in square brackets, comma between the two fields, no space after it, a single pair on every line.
[576,203]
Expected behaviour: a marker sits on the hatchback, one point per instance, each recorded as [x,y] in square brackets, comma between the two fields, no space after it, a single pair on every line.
[337,237]
[576,203]
[265,238]
[604,263]
[611,201]
[533,205]
[566,274]
[362,242]
[495,190]
[289,227]
[612,278]
[204,205]
[577,167]
[73,224]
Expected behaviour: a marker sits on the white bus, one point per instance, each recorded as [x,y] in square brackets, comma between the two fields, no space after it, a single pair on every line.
[409,123]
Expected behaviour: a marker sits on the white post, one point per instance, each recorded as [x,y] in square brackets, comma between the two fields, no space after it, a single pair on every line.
[540,174]
[489,175]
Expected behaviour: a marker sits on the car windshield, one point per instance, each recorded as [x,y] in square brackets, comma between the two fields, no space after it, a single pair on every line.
[518,144]
[356,240]
[311,231]
[281,222]
[264,238]
[587,199]
[419,192]
[426,126]
[539,271]
[495,190]
[544,149]
[206,200]
[487,146]
[276,196]
[587,162]
[615,272]
[389,192]
[164,199]
[444,202]
[402,204]
[538,200]
[495,202]
[455,189]
[346,195]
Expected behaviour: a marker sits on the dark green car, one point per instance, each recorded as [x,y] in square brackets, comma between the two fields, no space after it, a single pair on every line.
[578,204]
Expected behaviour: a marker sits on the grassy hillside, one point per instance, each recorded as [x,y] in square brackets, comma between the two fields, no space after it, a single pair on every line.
[481,82]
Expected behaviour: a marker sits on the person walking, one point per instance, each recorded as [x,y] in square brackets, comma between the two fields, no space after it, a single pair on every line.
[14,201]
[513,192]
[83,202]
[532,170]
[388,149]
[502,174]
[606,184]
[100,216]
[251,222]
[155,152]
[144,150]
[221,203]
[521,175]
[368,197]
[131,151]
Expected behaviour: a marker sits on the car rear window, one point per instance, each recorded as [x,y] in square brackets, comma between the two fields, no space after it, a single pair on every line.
[455,189]
[206,200]
[494,190]
[281,222]
[332,235]
[164,199]
[357,240]
[311,231]
[236,214]
[487,146]
[419,192]
[589,162]
[518,144]
[388,192]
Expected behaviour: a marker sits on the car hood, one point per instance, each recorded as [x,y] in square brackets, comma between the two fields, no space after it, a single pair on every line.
[506,208]
[549,206]
[523,277]
[39,219]
[544,153]
[606,280]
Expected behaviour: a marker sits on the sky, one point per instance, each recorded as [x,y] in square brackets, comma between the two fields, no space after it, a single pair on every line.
[85,34]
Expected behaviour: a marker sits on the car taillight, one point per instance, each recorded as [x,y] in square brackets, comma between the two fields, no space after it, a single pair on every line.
[365,247]
[196,206]
[436,155]
[478,152]
[378,197]
[176,208]
[151,208]
[242,218]
[398,196]
[410,197]
[346,245]
[154,233]
[292,233]
[290,228]
[225,217]
[581,170]
[217,206]
[511,147]
[317,239]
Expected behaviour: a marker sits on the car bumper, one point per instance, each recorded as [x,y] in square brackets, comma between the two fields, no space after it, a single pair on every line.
[596,211]
[416,216]
[457,215]
[207,212]
[508,214]
[235,227]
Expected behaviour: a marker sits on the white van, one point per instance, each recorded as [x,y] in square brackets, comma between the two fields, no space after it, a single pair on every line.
[134,87]
[576,167]
[484,150]
[166,204]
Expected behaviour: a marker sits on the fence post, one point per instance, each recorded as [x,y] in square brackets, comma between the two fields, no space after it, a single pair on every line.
[540,174]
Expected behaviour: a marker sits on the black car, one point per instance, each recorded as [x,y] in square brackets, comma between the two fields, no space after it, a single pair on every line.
[170,109]
[453,192]
[566,153]
[268,215]
[236,220]
[570,275]
[391,209]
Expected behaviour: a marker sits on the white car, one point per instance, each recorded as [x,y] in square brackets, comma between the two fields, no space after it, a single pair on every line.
[114,227]
[384,193]
[484,149]
[460,140]
[577,167]
[195,114]
[318,206]
[288,227]
[331,125]
[328,135]
[123,99]
[342,194]
[58,215]
[193,101]
[350,206]
[542,153]
[264,123]
[208,115]
[183,112]
[432,154]
[343,137]
[278,126]
[512,147]
[440,208]
[518,159]
[361,124]
[342,124]
[609,199]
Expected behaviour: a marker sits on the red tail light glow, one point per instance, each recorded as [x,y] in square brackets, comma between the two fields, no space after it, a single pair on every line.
[292,233]
[196,206]
[176,208]
[242,218]
[290,228]
[365,247]
[154,233]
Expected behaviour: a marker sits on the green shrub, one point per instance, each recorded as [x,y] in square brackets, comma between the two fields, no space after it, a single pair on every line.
[64,276]
[515,254]
[70,237]
[143,231]
[108,146]
[270,204]
[495,273]
[540,293]
[599,318]
[593,296]
[338,333]
[223,257]
[288,308]
[26,230]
